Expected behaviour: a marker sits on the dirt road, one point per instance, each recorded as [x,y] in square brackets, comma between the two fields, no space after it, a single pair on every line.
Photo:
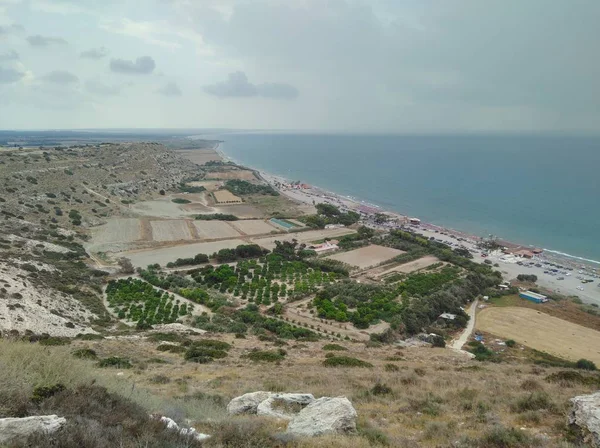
[458,343]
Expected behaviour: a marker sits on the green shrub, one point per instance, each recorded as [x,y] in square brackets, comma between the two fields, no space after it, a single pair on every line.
[345,361]
[53,340]
[501,437]
[391,368]
[381,389]
[535,401]
[171,348]
[85,353]
[116,362]
[334,347]
[585,364]
[510,343]
[180,201]
[266,355]
[40,393]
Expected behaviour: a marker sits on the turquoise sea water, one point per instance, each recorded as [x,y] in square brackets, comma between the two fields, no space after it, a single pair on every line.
[539,190]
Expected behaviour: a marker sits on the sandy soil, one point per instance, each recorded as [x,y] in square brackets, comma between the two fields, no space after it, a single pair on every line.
[411,266]
[162,256]
[170,230]
[160,208]
[215,229]
[366,256]
[301,237]
[117,230]
[541,332]
[253,226]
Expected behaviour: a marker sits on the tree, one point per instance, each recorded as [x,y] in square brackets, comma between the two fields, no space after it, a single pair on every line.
[365,232]
[380,218]
[327,210]
[162,192]
[463,252]
[126,266]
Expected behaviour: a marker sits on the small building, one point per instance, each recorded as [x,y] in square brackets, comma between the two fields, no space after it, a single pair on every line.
[327,246]
[533,296]
[503,286]
[448,316]
[414,221]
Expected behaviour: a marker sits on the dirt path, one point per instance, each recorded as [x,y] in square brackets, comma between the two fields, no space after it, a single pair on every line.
[458,343]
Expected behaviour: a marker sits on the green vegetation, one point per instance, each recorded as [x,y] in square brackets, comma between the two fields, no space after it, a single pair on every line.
[206,350]
[85,353]
[183,188]
[334,347]
[115,362]
[138,301]
[330,214]
[197,259]
[266,355]
[181,201]
[239,253]
[216,217]
[527,278]
[345,361]
[243,188]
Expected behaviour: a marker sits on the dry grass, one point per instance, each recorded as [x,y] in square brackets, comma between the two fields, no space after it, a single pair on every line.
[367,256]
[435,396]
[530,327]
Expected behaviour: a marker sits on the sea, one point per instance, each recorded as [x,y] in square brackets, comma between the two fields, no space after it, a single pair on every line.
[540,190]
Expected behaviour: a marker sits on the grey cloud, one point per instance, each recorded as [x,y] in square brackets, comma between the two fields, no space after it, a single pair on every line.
[237,85]
[60,77]
[11,29]
[10,75]
[9,56]
[95,53]
[141,66]
[100,88]
[170,89]
[45,41]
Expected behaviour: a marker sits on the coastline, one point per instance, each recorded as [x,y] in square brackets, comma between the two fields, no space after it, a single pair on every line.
[580,266]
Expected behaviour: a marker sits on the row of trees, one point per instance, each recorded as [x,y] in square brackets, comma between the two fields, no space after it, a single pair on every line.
[242,188]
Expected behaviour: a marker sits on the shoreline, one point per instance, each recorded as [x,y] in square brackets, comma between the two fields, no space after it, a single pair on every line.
[507,264]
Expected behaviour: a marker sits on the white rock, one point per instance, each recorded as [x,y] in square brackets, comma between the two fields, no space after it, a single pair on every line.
[585,416]
[287,402]
[21,428]
[247,403]
[324,416]
[189,432]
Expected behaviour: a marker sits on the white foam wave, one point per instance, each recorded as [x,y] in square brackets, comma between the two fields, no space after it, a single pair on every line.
[571,256]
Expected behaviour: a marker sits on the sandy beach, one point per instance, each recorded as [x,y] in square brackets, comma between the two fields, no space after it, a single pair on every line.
[570,285]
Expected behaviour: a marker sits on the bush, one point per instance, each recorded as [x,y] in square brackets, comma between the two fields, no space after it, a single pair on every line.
[85,353]
[266,355]
[54,341]
[345,361]
[501,437]
[391,368]
[116,362]
[510,343]
[535,401]
[171,348]
[40,393]
[180,201]
[334,347]
[381,389]
[585,364]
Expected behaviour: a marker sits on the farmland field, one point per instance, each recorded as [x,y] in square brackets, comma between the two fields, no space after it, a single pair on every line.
[199,156]
[542,332]
[225,197]
[215,229]
[302,237]
[171,230]
[367,256]
[253,227]
[412,266]
[162,256]
[123,230]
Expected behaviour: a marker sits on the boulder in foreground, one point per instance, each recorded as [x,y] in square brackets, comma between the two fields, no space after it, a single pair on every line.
[585,418]
[21,428]
[324,416]
[284,406]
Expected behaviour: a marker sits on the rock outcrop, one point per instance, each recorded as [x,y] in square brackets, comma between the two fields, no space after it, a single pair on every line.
[247,403]
[284,406]
[585,418]
[20,428]
[308,416]
[186,432]
[324,416]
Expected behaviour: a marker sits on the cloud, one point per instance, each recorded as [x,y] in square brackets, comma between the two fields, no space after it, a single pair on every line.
[94,53]
[10,75]
[142,66]
[238,86]
[100,88]
[170,89]
[15,28]
[9,56]
[45,41]
[60,77]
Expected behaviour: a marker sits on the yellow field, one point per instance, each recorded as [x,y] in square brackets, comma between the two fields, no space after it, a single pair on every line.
[226,197]
[542,332]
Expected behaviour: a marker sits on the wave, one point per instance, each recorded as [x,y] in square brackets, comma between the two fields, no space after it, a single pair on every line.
[571,256]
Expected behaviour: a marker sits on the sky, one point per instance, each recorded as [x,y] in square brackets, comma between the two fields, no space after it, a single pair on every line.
[322,65]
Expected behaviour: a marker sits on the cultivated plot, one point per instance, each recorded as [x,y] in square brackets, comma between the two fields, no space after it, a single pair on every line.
[171,230]
[226,197]
[117,230]
[208,230]
[542,332]
[367,256]
[199,156]
[302,237]
[253,227]
[412,266]
[143,258]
